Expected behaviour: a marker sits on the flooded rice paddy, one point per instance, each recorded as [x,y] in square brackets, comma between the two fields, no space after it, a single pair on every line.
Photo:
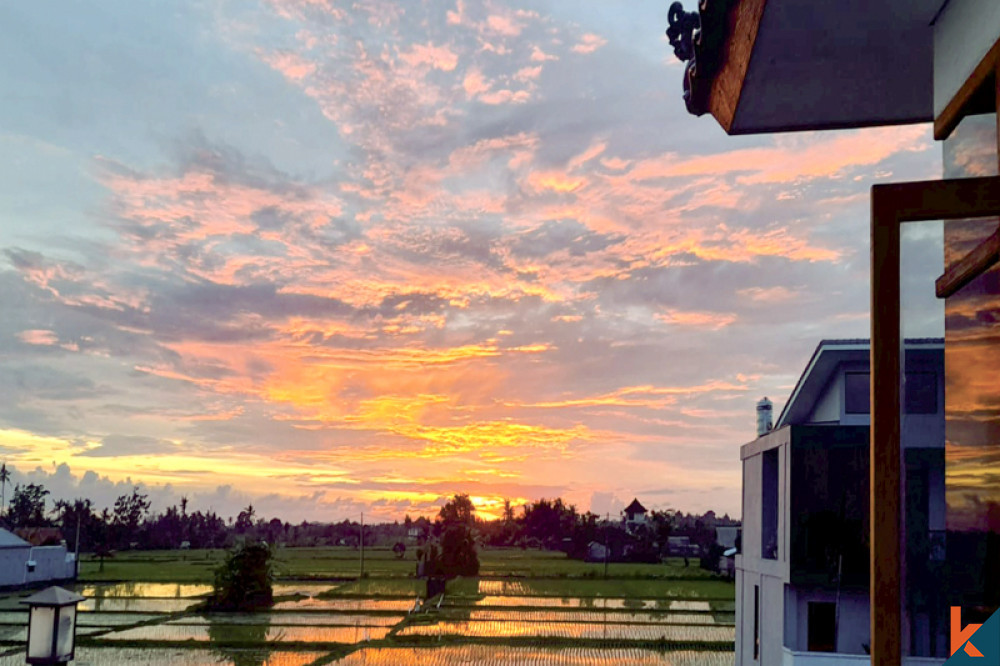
[370,623]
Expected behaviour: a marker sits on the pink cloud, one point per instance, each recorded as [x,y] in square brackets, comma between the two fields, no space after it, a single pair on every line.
[528,73]
[456,17]
[475,83]
[41,337]
[712,321]
[428,55]
[538,55]
[589,43]
[289,64]
[503,25]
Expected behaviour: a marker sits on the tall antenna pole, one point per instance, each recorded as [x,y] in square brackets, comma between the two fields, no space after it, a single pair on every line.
[76,564]
[607,548]
[362,544]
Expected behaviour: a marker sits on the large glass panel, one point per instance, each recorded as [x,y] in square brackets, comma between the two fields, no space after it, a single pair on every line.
[950,417]
[972,399]
[922,421]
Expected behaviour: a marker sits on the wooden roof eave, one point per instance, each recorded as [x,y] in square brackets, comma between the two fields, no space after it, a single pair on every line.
[723,53]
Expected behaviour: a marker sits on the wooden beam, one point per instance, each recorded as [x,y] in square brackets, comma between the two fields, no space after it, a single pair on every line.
[884,465]
[958,107]
[969,267]
[727,85]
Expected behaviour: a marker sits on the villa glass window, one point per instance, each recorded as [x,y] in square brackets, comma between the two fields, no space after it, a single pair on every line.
[822,626]
[756,622]
[857,398]
[769,505]
[921,393]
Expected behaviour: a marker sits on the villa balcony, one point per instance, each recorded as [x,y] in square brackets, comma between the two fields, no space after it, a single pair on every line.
[795,658]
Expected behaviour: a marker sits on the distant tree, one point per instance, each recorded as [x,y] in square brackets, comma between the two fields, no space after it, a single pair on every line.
[244,521]
[508,512]
[166,530]
[275,530]
[79,512]
[129,512]
[458,511]
[4,478]
[27,506]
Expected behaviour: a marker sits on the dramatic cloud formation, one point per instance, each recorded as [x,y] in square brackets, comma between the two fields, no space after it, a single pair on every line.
[340,257]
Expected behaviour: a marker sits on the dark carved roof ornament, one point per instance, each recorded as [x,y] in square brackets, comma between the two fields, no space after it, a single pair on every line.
[681,31]
[697,38]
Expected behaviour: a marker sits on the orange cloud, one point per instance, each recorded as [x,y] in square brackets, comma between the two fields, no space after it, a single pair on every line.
[712,321]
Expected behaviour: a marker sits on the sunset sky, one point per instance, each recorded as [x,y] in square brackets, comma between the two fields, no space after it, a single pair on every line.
[331,257]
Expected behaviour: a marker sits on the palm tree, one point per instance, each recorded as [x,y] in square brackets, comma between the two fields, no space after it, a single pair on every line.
[4,478]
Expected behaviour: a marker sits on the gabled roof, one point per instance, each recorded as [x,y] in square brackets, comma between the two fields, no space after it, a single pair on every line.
[829,354]
[635,507]
[10,540]
[40,536]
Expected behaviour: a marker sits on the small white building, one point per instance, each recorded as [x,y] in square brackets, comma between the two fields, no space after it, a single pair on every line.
[802,576]
[597,552]
[22,564]
[635,515]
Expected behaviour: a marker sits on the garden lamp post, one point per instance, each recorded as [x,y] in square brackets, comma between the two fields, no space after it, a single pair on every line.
[52,626]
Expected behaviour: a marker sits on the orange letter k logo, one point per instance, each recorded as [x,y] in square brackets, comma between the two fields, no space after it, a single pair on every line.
[959,635]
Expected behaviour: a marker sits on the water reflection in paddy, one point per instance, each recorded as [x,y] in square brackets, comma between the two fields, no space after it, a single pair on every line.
[492,655]
[250,634]
[609,631]
[113,656]
[146,590]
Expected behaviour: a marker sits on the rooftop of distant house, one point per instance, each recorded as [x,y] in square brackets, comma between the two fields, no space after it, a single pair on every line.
[635,507]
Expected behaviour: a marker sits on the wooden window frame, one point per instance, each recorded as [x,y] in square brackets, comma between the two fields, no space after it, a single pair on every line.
[893,205]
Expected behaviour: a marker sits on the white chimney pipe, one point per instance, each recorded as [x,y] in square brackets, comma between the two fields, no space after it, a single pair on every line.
[764,419]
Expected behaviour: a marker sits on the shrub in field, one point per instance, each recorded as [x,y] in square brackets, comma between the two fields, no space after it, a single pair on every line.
[458,552]
[455,552]
[244,581]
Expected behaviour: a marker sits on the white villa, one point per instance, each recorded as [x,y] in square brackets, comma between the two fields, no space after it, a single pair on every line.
[23,565]
[802,581]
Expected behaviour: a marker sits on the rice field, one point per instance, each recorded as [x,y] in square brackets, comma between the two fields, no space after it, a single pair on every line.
[346,605]
[592,616]
[563,621]
[501,601]
[146,590]
[492,655]
[599,631]
[117,656]
[136,605]
[293,619]
[236,633]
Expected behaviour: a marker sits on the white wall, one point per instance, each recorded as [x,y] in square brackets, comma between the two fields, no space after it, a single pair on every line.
[12,565]
[853,623]
[768,575]
[963,35]
[829,406]
[51,563]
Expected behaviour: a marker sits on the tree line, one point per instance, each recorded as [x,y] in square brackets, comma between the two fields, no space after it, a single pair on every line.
[544,523]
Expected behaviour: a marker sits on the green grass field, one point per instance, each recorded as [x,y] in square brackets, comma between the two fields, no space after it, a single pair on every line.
[551,572]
